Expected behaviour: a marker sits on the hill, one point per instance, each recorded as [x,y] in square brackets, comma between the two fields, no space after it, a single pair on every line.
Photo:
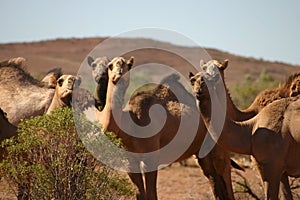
[69,53]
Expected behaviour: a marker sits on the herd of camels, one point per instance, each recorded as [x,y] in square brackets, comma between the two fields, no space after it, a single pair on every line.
[267,130]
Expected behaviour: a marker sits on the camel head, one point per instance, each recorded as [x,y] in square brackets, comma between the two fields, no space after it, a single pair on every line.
[118,67]
[198,83]
[99,68]
[208,77]
[214,65]
[64,88]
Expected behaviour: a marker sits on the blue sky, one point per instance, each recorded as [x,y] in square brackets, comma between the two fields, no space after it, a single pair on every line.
[268,29]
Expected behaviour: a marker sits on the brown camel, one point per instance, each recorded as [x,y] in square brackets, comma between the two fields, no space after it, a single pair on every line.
[291,87]
[100,75]
[22,96]
[216,165]
[7,130]
[271,132]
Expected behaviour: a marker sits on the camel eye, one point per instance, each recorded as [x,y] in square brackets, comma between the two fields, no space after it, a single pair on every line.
[110,66]
[193,81]
[60,82]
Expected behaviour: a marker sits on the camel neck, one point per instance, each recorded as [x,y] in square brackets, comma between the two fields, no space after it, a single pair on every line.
[100,93]
[112,111]
[233,112]
[233,136]
[56,103]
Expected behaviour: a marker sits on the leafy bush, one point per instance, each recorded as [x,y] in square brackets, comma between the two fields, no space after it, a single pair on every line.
[48,161]
[246,91]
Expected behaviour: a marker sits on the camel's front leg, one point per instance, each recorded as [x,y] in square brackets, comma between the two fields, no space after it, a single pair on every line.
[151,181]
[137,179]
[285,190]
[271,176]
[218,171]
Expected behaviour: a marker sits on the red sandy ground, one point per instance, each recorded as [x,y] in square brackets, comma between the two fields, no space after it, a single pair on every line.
[189,183]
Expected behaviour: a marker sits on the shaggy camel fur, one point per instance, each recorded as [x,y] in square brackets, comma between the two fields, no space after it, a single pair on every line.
[274,131]
[291,87]
[216,165]
[22,96]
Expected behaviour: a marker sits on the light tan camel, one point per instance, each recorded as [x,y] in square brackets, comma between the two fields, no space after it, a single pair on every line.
[216,166]
[63,92]
[291,87]
[272,136]
[22,96]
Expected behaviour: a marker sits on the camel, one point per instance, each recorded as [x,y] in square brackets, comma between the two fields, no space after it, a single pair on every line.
[100,75]
[216,166]
[23,96]
[273,131]
[290,88]
[7,130]
[63,92]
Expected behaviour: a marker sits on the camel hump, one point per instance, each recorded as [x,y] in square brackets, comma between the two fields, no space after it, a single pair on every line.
[13,61]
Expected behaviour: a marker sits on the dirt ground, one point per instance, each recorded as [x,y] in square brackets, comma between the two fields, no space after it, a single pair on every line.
[188,183]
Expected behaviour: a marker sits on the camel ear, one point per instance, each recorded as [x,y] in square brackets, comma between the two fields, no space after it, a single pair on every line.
[51,82]
[191,75]
[202,63]
[224,64]
[77,81]
[90,60]
[130,62]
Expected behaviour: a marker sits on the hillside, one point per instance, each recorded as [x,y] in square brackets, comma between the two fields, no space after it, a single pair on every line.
[69,53]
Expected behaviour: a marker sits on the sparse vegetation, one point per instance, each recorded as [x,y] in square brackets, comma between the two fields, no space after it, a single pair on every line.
[48,161]
[245,92]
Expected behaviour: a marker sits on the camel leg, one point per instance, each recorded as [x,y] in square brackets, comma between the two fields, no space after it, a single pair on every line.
[137,179]
[151,181]
[221,161]
[285,190]
[151,164]
[220,183]
[271,180]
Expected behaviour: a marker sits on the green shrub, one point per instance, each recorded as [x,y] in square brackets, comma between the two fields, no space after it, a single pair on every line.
[49,161]
[245,92]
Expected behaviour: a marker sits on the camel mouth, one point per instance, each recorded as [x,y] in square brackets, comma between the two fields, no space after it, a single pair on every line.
[116,79]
